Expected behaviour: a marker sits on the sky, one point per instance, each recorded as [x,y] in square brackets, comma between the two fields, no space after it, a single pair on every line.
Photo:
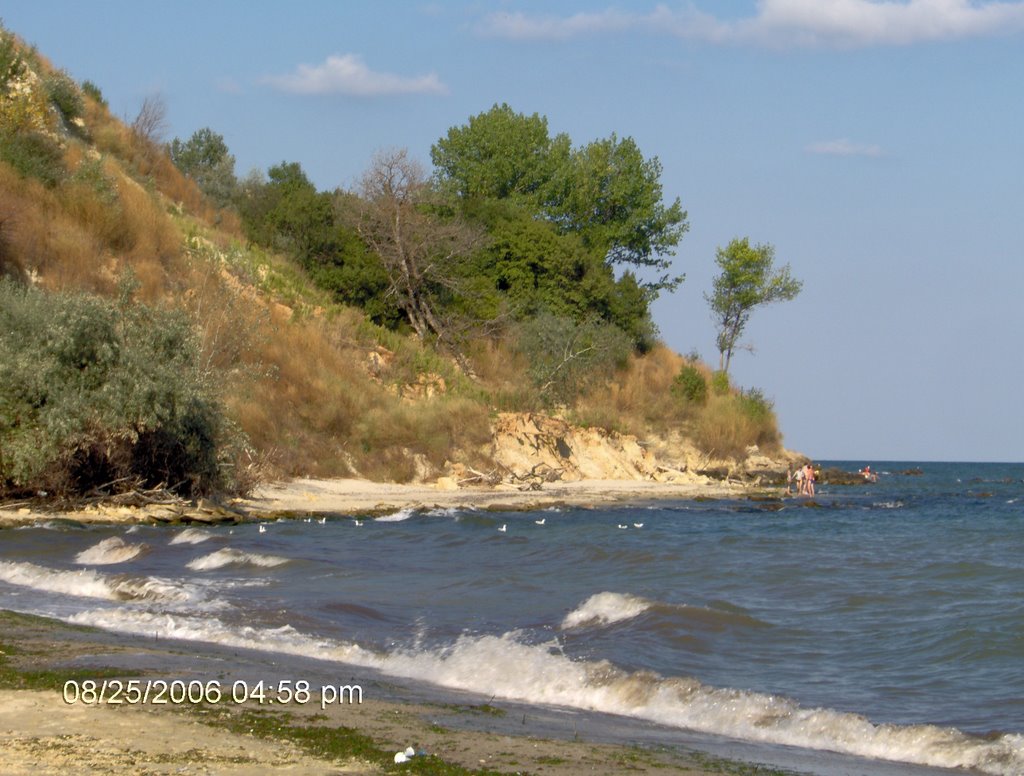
[877,146]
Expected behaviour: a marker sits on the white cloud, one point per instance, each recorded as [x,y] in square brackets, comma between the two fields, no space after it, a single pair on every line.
[519,26]
[843,147]
[851,23]
[836,23]
[348,74]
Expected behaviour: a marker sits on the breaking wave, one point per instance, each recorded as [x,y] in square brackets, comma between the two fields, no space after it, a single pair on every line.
[397,517]
[191,536]
[110,551]
[505,667]
[231,557]
[605,609]
[86,583]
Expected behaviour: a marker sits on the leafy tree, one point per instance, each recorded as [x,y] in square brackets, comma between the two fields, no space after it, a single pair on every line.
[605,195]
[286,213]
[611,196]
[747,280]
[499,154]
[204,157]
[530,267]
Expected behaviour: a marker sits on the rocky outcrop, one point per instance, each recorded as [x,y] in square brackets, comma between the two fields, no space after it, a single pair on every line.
[528,445]
[534,448]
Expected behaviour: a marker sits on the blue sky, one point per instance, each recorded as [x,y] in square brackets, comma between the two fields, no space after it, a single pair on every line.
[879,146]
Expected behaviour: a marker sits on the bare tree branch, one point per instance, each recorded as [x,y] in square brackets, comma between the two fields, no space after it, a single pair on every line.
[420,251]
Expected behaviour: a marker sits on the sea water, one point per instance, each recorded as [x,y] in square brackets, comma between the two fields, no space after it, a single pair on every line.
[882,621]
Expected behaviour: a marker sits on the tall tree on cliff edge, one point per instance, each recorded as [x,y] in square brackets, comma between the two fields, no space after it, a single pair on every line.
[605,192]
[747,280]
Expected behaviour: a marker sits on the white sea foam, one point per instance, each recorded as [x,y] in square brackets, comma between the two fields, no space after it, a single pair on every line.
[504,667]
[284,640]
[191,536]
[86,583]
[455,512]
[110,551]
[397,517]
[888,505]
[605,609]
[231,557]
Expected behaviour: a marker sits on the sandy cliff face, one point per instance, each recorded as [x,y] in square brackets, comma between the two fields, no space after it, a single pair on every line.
[532,447]
[528,445]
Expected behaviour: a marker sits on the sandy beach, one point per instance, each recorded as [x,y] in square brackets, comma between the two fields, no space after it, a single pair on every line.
[362,497]
[346,495]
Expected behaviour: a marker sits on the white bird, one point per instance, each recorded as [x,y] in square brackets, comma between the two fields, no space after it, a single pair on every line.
[504,527]
[263,528]
[322,520]
[541,521]
[623,527]
[638,525]
[358,523]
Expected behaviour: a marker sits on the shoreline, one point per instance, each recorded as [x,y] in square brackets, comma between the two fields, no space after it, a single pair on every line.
[41,733]
[308,496]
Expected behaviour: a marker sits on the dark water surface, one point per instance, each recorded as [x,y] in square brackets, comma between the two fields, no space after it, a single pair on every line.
[885,622]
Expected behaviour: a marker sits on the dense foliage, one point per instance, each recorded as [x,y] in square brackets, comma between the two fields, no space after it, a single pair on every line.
[94,392]
[605,192]
[512,225]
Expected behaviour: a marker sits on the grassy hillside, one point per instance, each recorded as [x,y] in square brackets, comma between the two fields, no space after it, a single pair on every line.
[294,380]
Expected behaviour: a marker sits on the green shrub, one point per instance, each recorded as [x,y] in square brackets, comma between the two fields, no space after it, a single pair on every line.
[566,358]
[88,87]
[33,155]
[690,385]
[720,383]
[756,406]
[94,392]
[12,64]
[65,94]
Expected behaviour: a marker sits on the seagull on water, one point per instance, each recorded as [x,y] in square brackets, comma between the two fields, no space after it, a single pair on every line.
[322,520]
[623,527]
[541,521]
[504,527]
[263,528]
[638,525]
